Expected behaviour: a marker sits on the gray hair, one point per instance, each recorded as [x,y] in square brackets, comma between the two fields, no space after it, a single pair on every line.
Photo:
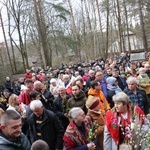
[62,87]
[35,104]
[66,76]
[131,80]
[74,112]
[121,97]
[36,84]
[91,71]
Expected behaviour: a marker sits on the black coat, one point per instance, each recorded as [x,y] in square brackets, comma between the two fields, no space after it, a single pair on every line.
[51,129]
[88,82]
[61,108]
[109,97]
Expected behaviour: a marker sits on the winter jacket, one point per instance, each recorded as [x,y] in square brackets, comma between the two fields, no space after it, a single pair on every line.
[74,139]
[88,82]
[51,129]
[104,87]
[112,127]
[22,143]
[143,102]
[143,82]
[110,95]
[77,101]
[121,82]
[60,108]
[104,106]
[99,119]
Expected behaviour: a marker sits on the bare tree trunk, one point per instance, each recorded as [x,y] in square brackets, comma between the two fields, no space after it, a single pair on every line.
[12,47]
[119,25]
[126,16]
[1,56]
[101,29]
[90,34]
[84,33]
[142,26]
[107,28]
[6,43]
[41,32]
[76,37]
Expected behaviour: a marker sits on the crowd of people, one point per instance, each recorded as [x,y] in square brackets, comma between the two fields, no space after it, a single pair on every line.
[75,107]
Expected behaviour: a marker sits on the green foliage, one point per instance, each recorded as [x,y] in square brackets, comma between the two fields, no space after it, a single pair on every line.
[60,9]
[62,16]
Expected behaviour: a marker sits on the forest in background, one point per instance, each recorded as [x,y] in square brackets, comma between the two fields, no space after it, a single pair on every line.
[49,32]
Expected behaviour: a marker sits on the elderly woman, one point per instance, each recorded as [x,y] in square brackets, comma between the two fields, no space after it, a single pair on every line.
[118,122]
[76,135]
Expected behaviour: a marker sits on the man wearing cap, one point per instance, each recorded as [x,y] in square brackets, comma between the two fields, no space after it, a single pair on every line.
[94,113]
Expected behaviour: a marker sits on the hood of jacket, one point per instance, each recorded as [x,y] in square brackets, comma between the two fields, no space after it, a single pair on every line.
[21,143]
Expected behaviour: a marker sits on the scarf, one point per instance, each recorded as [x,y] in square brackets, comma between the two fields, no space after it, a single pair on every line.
[117,89]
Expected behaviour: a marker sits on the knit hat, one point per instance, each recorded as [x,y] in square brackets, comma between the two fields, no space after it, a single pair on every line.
[111,80]
[92,102]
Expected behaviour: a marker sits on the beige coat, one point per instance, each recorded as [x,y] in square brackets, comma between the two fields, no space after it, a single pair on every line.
[98,118]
